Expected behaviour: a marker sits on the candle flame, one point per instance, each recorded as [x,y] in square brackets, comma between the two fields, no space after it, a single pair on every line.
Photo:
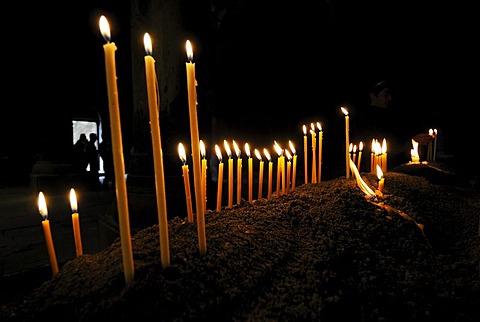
[73,200]
[312,126]
[227,148]
[360,146]
[181,153]
[361,184]
[218,152]
[237,149]
[42,205]
[379,172]
[277,148]
[304,129]
[350,147]
[289,156]
[319,126]
[384,145]
[202,149]
[414,151]
[430,132]
[267,154]
[257,154]
[354,148]
[188,46]
[104,28]
[290,143]
[147,41]
[344,110]
[247,150]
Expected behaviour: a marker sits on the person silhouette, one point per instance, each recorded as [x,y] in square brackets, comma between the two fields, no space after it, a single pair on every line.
[93,161]
[80,152]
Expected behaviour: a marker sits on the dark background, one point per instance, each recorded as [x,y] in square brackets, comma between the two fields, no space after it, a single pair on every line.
[264,69]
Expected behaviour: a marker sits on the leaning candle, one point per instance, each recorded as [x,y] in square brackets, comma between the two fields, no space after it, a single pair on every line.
[117,150]
[204,174]
[347,143]
[305,153]
[230,174]
[42,207]
[186,181]
[294,170]
[289,170]
[220,178]
[260,173]
[314,153]
[320,148]
[250,173]
[239,172]
[153,107]
[76,223]
[270,174]
[195,141]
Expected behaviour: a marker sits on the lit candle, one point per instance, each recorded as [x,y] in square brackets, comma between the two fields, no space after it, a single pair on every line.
[360,149]
[239,172]
[186,181]
[381,179]
[305,152]
[195,141]
[414,152]
[430,147]
[270,174]
[220,177]
[361,184]
[289,170]
[153,107]
[76,223]
[372,157]
[42,207]
[230,174]
[250,173]
[294,170]
[117,150]
[279,151]
[260,173]
[435,144]
[354,153]
[314,153]
[204,174]
[350,149]
[320,148]
[347,142]
[384,155]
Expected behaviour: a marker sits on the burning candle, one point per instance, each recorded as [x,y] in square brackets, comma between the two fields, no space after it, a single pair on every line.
[414,152]
[42,207]
[260,173]
[305,153]
[289,170]
[314,153]
[320,148]
[117,150]
[204,174]
[347,142]
[250,173]
[360,149]
[361,184]
[430,147]
[230,174]
[195,141]
[153,107]
[239,172]
[372,157]
[279,151]
[354,152]
[435,133]
[270,174]
[384,155]
[76,223]
[186,181]
[220,177]
[294,170]
[381,179]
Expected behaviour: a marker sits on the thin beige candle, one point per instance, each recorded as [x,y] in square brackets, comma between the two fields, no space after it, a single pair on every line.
[220,178]
[289,170]
[384,155]
[279,151]
[195,141]
[354,153]
[239,172]
[435,144]
[230,174]
[305,152]
[430,146]
[360,149]
[153,107]
[260,173]
[270,173]
[77,237]
[381,179]
[347,142]
[42,207]
[204,174]
[320,151]
[186,181]
[372,157]
[117,150]
[294,170]
[314,153]
[250,173]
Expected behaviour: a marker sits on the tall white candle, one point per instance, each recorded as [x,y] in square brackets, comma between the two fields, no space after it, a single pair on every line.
[347,142]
